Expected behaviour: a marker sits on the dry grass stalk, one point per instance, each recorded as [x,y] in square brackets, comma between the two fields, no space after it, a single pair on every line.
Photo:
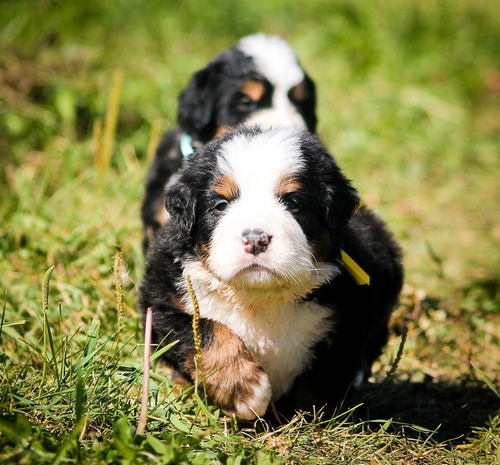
[153,141]
[111,118]
[45,309]
[119,268]
[196,327]
[97,145]
[104,137]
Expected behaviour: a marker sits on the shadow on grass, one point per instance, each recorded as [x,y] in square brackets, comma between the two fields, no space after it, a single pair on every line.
[454,411]
[453,408]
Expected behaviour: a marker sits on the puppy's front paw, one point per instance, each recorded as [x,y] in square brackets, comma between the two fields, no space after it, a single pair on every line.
[243,391]
[234,378]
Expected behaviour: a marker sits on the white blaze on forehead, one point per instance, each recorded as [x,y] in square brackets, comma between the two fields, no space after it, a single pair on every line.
[276,61]
[257,162]
[259,166]
[274,58]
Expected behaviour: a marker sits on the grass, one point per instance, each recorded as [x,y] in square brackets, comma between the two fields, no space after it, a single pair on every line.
[408,102]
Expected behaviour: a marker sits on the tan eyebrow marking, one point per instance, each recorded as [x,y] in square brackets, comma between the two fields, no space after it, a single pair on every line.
[226,187]
[299,92]
[253,89]
[288,184]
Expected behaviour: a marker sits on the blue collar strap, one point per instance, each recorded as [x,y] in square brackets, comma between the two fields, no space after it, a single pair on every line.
[186,145]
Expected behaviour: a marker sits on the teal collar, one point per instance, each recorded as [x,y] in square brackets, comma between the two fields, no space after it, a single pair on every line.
[186,145]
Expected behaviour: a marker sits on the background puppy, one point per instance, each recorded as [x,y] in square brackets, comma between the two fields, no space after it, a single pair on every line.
[259,80]
[258,221]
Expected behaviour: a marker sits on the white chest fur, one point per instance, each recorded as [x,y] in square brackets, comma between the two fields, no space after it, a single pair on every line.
[280,335]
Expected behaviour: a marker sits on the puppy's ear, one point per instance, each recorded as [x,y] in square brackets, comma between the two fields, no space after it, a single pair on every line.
[339,199]
[341,202]
[196,105]
[180,202]
[308,106]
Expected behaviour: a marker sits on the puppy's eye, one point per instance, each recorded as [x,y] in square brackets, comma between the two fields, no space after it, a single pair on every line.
[221,205]
[299,93]
[290,203]
[245,103]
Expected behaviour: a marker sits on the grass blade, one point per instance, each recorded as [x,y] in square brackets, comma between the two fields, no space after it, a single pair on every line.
[143,417]
[45,308]
[486,380]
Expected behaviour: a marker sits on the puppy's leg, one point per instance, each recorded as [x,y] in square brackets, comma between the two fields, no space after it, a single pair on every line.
[234,379]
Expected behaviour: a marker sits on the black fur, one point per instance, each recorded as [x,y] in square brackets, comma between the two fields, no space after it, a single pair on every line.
[327,202]
[211,100]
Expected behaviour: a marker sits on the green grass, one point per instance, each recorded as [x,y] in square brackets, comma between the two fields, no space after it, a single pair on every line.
[409,98]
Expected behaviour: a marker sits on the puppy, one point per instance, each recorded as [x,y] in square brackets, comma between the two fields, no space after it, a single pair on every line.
[260,221]
[259,81]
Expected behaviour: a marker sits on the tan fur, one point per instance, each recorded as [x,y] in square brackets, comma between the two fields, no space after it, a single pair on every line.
[253,89]
[299,92]
[221,130]
[226,187]
[233,374]
[288,184]
[178,302]
[162,217]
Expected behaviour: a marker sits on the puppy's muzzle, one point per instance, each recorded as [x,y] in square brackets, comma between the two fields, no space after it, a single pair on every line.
[255,241]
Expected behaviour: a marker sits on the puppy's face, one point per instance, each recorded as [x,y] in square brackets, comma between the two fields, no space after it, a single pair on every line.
[265,210]
[258,81]
[284,95]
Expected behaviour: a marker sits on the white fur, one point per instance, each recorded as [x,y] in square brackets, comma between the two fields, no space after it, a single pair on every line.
[257,405]
[261,304]
[279,334]
[277,62]
[256,165]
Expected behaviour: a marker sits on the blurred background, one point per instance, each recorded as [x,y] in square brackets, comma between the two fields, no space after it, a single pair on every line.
[408,92]
[408,102]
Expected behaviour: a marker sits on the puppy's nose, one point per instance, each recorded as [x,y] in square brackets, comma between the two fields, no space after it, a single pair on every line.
[255,241]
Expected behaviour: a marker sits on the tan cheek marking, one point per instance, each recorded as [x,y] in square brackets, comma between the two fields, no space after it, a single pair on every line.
[288,184]
[253,89]
[226,187]
[299,92]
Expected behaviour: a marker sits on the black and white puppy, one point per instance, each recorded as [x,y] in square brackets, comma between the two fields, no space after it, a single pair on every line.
[258,222]
[257,81]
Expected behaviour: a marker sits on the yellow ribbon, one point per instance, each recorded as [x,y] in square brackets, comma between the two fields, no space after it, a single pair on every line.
[360,276]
